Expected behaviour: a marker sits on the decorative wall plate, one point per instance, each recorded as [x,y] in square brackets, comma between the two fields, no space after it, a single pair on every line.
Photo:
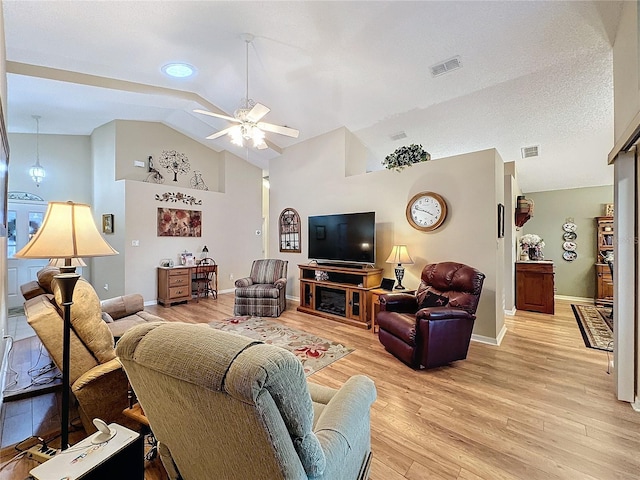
[569,236]
[569,256]
[569,227]
[569,246]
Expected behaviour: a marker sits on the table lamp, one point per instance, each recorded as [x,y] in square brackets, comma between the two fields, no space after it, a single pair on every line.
[400,255]
[68,232]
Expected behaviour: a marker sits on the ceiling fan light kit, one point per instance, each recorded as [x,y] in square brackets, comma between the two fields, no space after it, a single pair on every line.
[248,116]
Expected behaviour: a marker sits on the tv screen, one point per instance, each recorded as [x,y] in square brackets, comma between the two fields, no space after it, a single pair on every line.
[346,237]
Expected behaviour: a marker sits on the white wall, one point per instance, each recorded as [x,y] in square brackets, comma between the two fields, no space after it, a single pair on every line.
[626,66]
[3,238]
[311,177]
[230,216]
[66,160]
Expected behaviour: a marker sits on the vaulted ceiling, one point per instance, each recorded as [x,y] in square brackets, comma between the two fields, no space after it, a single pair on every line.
[533,73]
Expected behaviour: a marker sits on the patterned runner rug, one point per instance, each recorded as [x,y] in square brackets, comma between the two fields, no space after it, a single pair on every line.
[314,352]
[596,326]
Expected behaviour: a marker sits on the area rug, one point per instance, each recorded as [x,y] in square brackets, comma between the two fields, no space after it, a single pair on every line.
[314,352]
[595,325]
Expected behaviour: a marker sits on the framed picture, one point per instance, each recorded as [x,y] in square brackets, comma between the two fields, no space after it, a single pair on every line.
[608,210]
[174,222]
[387,283]
[500,220]
[107,223]
[4,168]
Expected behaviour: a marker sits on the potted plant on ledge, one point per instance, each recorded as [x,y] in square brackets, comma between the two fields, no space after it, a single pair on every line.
[405,157]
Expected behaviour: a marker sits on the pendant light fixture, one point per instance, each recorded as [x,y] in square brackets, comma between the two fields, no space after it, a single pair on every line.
[37,171]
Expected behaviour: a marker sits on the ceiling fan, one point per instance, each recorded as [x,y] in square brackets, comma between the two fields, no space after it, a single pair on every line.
[247,117]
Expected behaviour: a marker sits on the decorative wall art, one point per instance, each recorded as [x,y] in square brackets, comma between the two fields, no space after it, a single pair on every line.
[608,210]
[154,175]
[500,220]
[178,197]
[107,223]
[289,231]
[4,180]
[176,162]
[197,182]
[569,236]
[179,223]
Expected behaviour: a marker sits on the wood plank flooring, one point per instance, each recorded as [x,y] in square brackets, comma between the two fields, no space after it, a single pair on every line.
[540,406]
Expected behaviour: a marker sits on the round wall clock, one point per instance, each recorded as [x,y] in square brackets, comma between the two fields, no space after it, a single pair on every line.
[426,211]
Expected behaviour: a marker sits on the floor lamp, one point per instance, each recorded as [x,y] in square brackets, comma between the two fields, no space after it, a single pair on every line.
[68,232]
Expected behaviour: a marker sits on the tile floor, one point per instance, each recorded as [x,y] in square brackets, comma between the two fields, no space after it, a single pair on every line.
[18,328]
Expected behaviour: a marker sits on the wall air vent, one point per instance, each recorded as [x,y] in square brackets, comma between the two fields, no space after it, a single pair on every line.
[446,66]
[528,152]
[398,136]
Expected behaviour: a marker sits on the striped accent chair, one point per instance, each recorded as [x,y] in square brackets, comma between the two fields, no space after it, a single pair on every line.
[262,293]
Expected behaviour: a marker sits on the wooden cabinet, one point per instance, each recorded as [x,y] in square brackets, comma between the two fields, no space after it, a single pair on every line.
[338,293]
[174,285]
[604,284]
[535,286]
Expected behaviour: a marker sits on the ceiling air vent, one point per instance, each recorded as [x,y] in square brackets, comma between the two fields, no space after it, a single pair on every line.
[528,152]
[398,136]
[446,66]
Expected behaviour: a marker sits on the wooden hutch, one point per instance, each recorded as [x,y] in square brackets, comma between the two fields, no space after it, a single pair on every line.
[604,245]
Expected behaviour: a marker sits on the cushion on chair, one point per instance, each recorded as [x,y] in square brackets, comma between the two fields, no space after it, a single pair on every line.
[428,298]
[86,320]
[402,326]
[267,271]
[45,277]
[258,291]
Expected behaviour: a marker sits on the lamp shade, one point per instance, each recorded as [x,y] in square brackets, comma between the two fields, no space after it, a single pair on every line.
[400,255]
[68,231]
[62,262]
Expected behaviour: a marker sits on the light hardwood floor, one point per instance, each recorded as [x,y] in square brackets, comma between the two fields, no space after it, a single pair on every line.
[540,406]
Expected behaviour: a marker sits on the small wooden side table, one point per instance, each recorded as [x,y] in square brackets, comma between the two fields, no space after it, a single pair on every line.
[375,302]
[136,413]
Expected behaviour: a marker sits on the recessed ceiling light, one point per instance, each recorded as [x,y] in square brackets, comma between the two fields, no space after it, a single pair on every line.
[178,70]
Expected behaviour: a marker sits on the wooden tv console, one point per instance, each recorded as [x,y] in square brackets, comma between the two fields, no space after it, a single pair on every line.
[343,296]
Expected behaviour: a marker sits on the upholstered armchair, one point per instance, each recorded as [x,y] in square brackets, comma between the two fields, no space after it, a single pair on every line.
[230,407]
[263,292]
[433,327]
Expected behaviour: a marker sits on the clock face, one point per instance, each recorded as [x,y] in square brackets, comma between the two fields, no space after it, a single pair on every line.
[426,211]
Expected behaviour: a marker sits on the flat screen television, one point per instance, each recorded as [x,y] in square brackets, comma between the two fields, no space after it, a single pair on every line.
[344,237]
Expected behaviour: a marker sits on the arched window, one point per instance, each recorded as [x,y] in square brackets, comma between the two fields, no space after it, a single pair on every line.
[290,231]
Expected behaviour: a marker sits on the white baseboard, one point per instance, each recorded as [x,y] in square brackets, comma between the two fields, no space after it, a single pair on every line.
[292,298]
[150,302]
[573,299]
[490,340]
[636,405]
[511,312]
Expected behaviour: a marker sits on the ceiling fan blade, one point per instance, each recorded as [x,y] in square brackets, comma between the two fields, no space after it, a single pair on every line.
[257,112]
[220,133]
[269,127]
[217,115]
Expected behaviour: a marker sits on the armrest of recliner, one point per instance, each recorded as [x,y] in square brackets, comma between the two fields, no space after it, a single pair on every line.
[244,282]
[280,283]
[340,422]
[443,313]
[398,302]
[123,306]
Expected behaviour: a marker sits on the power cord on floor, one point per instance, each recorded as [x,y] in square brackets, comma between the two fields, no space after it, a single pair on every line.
[36,373]
[9,356]
[609,360]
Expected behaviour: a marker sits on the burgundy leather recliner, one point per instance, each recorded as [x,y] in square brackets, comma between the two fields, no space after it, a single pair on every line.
[432,327]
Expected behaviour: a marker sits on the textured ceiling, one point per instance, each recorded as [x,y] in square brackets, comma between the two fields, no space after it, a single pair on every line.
[534,73]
